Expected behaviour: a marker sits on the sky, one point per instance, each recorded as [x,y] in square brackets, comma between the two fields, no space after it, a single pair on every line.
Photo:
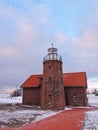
[29,27]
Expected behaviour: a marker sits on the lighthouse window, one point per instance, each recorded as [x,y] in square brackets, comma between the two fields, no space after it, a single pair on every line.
[49,67]
[49,99]
[49,79]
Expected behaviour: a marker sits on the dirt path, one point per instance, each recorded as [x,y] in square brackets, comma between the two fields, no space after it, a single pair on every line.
[66,120]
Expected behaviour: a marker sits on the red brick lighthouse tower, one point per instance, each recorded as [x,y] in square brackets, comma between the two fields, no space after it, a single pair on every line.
[52,89]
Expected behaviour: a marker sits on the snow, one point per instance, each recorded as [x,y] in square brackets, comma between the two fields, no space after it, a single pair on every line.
[92,100]
[91,121]
[6,99]
[68,108]
[14,114]
[91,118]
[24,116]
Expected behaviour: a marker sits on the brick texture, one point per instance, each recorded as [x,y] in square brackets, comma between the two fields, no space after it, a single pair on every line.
[52,89]
[31,96]
[75,96]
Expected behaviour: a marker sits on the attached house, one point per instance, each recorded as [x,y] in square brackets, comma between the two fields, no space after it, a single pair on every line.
[54,89]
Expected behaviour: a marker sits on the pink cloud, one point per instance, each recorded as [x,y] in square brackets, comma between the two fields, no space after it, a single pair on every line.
[87,40]
[7,52]
[61,38]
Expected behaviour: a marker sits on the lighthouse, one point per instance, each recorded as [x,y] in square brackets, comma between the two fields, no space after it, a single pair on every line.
[52,88]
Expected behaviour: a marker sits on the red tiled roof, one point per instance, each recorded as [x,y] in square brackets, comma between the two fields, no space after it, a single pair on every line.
[75,79]
[32,81]
[70,79]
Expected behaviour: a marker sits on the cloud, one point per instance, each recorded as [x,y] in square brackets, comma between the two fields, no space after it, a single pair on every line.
[61,38]
[7,52]
[79,53]
[85,51]
[8,90]
[29,28]
[88,40]
[93,83]
[7,12]
[20,50]
[22,36]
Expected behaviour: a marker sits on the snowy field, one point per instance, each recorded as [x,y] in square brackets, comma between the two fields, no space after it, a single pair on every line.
[6,99]
[14,114]
[91,121]
[93,100]
[91,118]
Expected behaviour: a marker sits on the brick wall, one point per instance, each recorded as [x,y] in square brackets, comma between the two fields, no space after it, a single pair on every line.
[75,96]
[31,96]
[52,90]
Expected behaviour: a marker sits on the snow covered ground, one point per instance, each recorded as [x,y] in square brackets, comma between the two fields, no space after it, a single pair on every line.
[6,99]
[14,114]
[91,118]
[16,118]
[93,100]
[91,121]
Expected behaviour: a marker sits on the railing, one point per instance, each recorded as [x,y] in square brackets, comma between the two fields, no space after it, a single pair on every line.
[52,57]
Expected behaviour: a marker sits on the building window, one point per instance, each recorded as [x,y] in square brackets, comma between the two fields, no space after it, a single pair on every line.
[49,80]
[74,98]
[49,99]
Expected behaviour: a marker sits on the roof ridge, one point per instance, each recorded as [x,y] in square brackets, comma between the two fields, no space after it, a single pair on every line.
[75,72]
